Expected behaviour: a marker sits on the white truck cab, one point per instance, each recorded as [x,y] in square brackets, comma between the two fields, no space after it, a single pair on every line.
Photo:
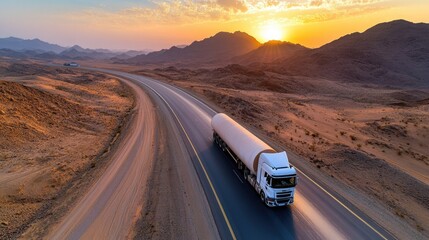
[277,179]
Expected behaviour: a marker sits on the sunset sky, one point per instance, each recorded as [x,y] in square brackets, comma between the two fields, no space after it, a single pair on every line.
[152,24]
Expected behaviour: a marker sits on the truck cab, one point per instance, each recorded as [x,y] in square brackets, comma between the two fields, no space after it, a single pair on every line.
[277,179]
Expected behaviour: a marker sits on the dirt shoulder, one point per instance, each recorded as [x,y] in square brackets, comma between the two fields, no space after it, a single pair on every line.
[58,124]
[367,141]
[173,207]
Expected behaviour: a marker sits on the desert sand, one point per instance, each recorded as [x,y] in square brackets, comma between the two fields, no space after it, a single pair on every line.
[48,116]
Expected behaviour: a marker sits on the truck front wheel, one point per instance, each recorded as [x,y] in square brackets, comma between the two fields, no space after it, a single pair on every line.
[262,194]
[263,198]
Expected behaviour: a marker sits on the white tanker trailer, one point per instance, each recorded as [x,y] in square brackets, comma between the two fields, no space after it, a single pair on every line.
[268,171]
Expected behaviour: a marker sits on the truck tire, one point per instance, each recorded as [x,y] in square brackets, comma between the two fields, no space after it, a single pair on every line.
[263,198]
[245,174]
[239,165]
[219,142]
[262,195]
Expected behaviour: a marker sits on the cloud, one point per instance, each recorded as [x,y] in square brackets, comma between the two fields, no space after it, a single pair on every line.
[175,12]
[161,13]
[236,5]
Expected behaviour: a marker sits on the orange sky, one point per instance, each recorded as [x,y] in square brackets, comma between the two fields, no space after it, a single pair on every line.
[152,24]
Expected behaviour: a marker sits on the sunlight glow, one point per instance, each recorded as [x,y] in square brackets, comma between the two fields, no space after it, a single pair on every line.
[272,31]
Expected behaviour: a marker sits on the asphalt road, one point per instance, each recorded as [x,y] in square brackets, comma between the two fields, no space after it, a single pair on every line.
[317,212]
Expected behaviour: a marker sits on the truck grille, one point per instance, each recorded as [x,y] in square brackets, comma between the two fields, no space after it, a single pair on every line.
[283,195]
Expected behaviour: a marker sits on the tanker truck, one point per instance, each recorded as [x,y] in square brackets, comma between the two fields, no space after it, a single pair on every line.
[267,171]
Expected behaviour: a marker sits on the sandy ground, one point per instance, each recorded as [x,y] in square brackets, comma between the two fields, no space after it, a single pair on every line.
[369,138]
[56,125]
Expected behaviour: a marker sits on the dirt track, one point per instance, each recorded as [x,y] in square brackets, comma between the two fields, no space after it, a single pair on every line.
[109,208]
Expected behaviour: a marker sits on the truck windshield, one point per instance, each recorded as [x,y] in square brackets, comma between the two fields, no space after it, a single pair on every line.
[283,182]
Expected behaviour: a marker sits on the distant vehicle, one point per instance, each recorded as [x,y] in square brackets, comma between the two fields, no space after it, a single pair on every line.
[268,171]
[71,64]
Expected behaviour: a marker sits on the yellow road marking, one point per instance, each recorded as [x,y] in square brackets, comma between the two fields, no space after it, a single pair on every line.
[342,204]
[199,160]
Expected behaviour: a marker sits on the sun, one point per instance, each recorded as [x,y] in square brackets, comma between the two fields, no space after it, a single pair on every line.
[272,31]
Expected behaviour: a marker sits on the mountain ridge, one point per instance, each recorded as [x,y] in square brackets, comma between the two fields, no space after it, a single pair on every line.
[220,47]
[392,53]
[269,52]
[17,44]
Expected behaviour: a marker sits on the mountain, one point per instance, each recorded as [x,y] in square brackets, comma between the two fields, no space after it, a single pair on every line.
[79,53]
[25,54]
[13,47]
[133,53]
[392,53]
[269,52]
[5,52]
[218,48]
[18,44]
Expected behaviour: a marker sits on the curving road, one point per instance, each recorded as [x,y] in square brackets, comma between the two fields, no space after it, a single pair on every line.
[109,209]
[316,214]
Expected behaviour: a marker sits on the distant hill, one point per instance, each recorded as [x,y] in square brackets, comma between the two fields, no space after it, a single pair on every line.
[18,44]
[13,47]
[4,52]
[77,52]
[25,54]
[126,55]
[392,53]
[133,53]
[218,48]
[269,52]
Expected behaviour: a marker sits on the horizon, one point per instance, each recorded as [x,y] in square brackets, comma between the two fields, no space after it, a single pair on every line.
[150,25]
[185,45]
